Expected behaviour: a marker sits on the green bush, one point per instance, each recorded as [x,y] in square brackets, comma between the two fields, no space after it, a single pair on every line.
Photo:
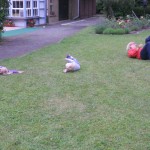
[141,11]
[115,31]
[99,6]
[99,29]
[123,7]
[1,26]
[4,5]
[123,26]
[147,10]
[137,23]
[1,29]
[115,8]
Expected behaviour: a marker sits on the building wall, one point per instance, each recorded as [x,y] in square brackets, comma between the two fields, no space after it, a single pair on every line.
[87,8]
[48,11]
[73,9]
[42,12]
[21,11]
[52,15]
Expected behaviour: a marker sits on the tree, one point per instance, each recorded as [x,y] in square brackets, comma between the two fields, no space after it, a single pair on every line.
[126,7]
[112,7]
[4,5]
[108,7]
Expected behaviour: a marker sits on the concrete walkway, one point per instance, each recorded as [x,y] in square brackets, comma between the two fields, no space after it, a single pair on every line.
[12,28]
[22,44]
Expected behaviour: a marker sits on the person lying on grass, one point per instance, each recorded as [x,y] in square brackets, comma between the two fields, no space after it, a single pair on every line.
[139,51]
[71,65]
[5,71]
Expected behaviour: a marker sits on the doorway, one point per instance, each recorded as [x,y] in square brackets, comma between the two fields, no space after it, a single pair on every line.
[63,9]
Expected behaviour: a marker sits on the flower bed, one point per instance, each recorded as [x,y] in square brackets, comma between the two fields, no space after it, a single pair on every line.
[123,26]
[8,23]
[30,23]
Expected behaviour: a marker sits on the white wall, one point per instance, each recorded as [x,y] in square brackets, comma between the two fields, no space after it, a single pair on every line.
[40,20]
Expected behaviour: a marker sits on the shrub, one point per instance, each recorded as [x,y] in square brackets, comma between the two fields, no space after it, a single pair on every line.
[1,26]
[145,21]
[123,26]
[99,6]
[99,29]
[114,8]
[4,5]
[8,23]
[1,30]
[30,22]
[115,31]
[147,10]
[110,27]
[141,11]
[136,23]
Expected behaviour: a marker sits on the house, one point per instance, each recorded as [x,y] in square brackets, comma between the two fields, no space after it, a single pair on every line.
[50,11]
[70,9]
[21,11]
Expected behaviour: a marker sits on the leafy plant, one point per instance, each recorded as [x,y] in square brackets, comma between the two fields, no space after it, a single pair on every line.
[124,25]
[4,5]
[1,26]
[99,6]
[30,22]
[115,31]
[115,8]
[8,22]
[99,29]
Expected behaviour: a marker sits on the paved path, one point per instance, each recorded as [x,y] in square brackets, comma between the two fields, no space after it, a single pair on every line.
[19,45]
[12,28]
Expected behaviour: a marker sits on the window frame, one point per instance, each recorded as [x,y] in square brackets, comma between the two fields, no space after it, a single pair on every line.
[17,8]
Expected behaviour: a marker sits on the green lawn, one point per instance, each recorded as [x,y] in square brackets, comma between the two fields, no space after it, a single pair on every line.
[104,106]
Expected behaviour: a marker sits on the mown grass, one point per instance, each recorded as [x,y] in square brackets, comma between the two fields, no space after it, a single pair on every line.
[104,106]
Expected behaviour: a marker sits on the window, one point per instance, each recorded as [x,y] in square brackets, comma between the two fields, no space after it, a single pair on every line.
[28,12]
[34,4]
[17,4]
[51,8]
[35,10]
[28,4]
[17,8]
[28,8]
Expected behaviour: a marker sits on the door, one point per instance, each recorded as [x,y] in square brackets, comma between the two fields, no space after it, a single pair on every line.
[63,9]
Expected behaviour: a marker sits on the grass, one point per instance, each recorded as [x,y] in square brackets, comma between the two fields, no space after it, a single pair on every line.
[104,106]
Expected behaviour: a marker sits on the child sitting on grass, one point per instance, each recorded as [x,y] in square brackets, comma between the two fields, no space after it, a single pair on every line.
[71,65]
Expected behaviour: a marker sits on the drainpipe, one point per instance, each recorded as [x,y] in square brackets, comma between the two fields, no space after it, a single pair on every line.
[78,11]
